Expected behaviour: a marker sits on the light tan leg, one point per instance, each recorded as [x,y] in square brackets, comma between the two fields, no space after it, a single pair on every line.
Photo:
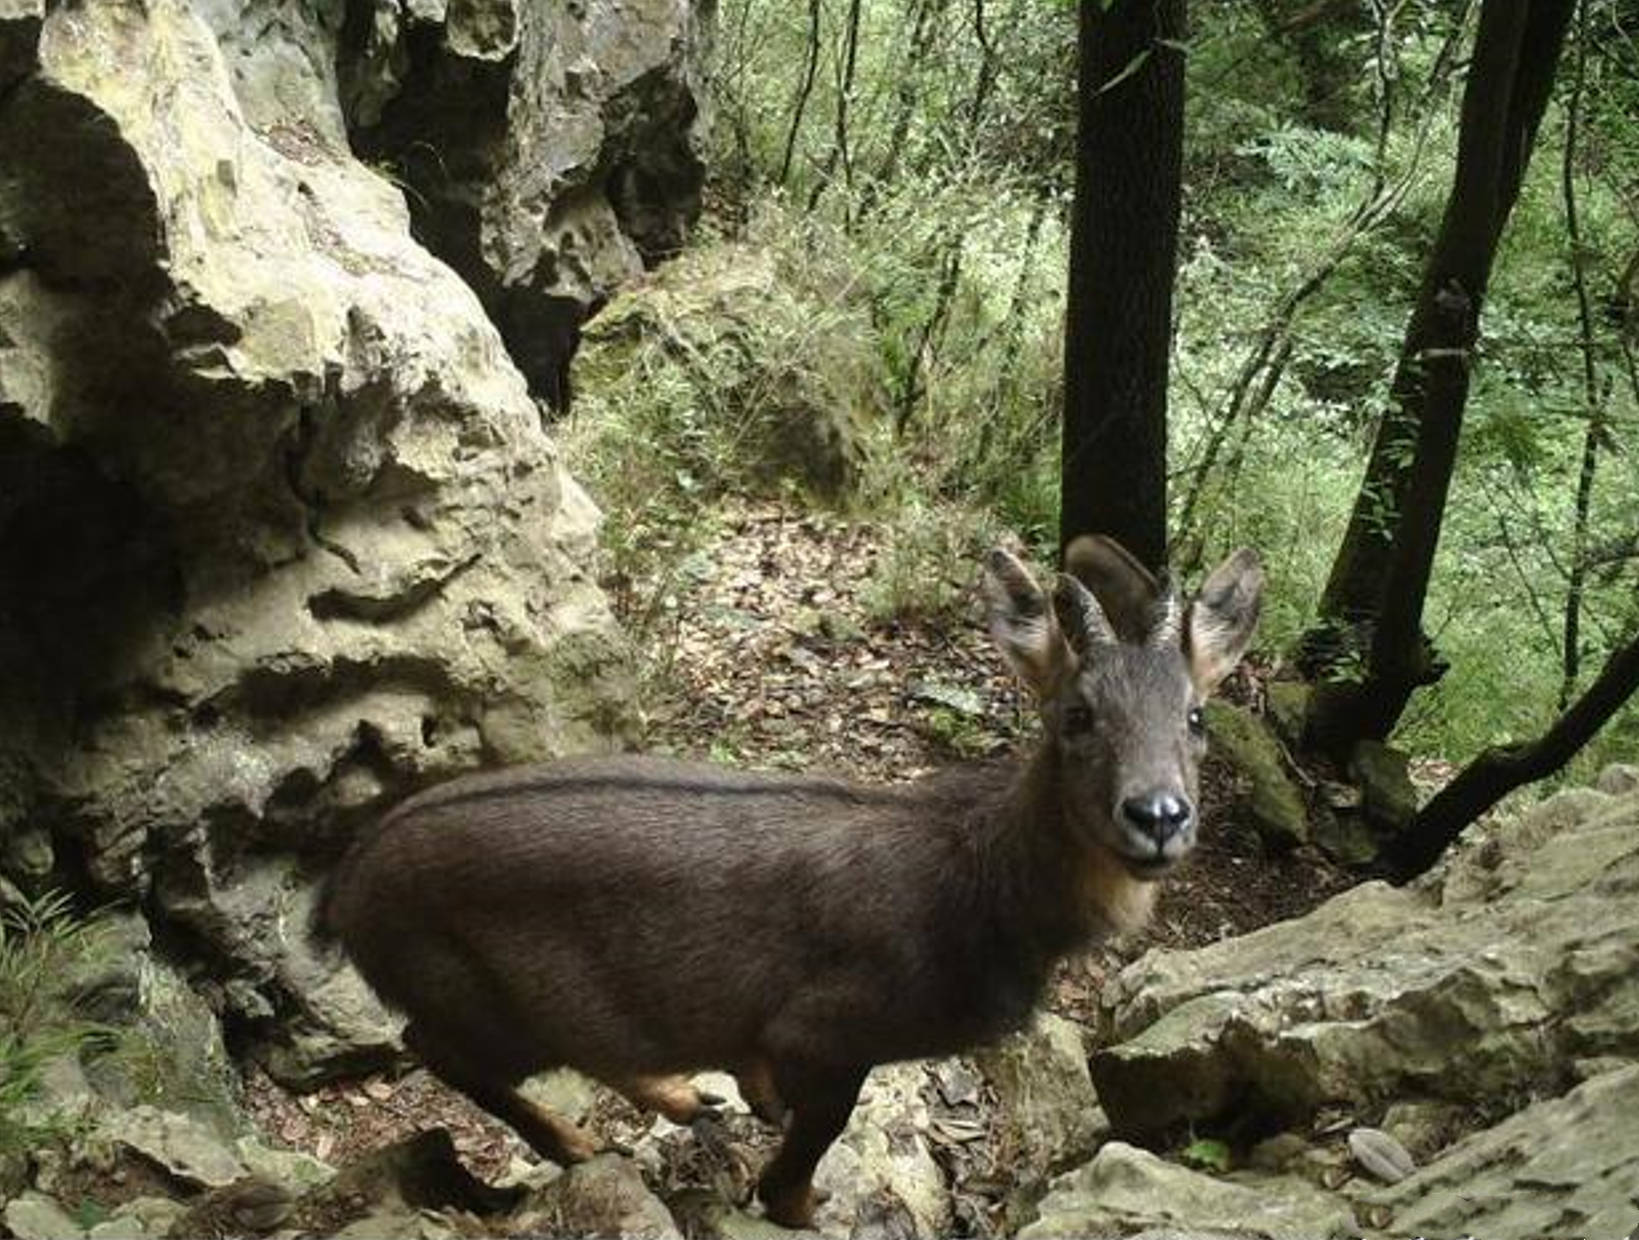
[549,1134]
[673,1096]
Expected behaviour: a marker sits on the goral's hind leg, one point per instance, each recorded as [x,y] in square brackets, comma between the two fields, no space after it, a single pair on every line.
[673,1096]
[549,1135]
[756,1081]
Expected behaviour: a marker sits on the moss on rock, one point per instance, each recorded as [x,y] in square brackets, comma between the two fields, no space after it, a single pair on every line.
[1240,737]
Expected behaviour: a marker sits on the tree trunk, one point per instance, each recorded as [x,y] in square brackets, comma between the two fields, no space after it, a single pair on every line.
[1123,256]
[1373,602]
[803,91]
[1593,405]
[1499,770]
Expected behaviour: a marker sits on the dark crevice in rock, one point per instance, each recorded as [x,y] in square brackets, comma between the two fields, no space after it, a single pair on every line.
[87,571]
[541,248]
[280,690]
[65,150]
[339,604]
[652,174]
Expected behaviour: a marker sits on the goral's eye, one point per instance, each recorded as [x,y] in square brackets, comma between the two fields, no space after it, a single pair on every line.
[1197,721]
[1077,719]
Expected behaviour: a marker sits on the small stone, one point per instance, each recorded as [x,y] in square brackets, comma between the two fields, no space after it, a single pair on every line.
[1276,1153]
[34,1216]
[293,1169]
[1345,838]
[248,1206]
[604,1197]
[1618,779]
[1424,1126]
[957,1082]
[1125,1190]
[1381,1155]
[141,1216]
[179,1143]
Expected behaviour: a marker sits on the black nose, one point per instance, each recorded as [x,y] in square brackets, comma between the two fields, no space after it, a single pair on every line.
[1159,815]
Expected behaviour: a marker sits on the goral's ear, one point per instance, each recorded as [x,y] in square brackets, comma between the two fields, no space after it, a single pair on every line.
[1081,618]
[1126,590]
[1222,619]
[1023,625]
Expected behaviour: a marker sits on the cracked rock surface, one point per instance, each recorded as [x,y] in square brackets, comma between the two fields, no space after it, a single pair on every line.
[549,151]
[281,534]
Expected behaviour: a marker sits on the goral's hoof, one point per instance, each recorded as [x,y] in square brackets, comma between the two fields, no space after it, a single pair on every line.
[791,1207]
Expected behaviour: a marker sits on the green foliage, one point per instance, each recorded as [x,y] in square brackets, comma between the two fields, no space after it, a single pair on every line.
[42,941]
[963,735]
[798,332]
[926,571]
[911,225]
[1207,1153]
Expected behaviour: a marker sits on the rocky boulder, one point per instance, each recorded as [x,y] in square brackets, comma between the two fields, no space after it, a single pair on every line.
[720,349]
[549,151]
[1241,740]
[1568,1164]
[1125,1190]
[281,534]
[1512,969]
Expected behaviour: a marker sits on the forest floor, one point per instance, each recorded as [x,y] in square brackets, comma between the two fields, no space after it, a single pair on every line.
[763,647]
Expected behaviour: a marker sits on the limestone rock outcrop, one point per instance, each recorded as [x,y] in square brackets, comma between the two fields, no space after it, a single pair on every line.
[548,151]
[281,532]
[1513,970]
[1486,1017]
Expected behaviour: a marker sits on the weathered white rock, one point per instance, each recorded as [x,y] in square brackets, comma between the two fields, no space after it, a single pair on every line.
[34,1216]
[1523,953]
[301,542]
[1126,1190]
[1048,1115]
[293,1170]
[603,1197]
[883,1154]
[398,1223]
[139,1217]
[1563,1166]
[1618,778]
[179,1144]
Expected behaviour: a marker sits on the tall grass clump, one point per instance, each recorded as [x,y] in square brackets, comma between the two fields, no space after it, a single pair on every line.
[42,943]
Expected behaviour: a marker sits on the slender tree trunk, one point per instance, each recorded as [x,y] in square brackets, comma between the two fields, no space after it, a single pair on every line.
[925,18]
[804,91]
[839,134]
[1123,257]
[1592,404]
[1499,770]
[1273,342]
[1373,603]
[950,244]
